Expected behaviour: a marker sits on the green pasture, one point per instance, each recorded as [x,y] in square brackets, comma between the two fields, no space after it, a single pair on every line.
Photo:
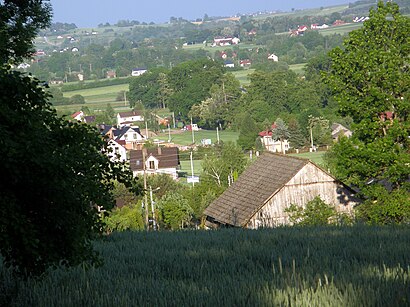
[288,266]
[342,30]
[97,99]
[185,137]
[186,165]
[208,47]
[298,68]
[242,75]
[315,157]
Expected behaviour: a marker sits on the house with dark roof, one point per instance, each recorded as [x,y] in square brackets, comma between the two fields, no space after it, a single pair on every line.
[131,136]
[128,118]
[160,160]
[270,185]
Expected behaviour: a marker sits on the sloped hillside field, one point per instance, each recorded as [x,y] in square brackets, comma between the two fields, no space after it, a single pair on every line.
[344,266]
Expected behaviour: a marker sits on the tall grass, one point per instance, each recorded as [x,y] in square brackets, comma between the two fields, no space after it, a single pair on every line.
[345,266]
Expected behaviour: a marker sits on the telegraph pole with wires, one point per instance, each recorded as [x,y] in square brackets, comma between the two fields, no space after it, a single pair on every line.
[145,190]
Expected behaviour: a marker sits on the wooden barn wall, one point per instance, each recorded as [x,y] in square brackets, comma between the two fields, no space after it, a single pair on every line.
[308,183]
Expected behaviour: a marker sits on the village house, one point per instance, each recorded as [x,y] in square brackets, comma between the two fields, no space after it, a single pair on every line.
[273,57]
[78,116]
[117,150]
[138,72]
[229,63]
[273,145]
[160,160]
[245,63]
[225,41]
[111,74]
[128,118]
[131,136]
[271,184]
[340,130]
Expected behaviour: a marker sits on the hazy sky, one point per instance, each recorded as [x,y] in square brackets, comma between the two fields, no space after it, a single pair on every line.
[90,13]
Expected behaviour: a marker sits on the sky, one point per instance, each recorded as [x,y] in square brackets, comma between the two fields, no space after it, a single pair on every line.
[90,13]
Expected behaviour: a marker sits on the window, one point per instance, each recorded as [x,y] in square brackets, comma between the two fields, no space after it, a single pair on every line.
[151,164]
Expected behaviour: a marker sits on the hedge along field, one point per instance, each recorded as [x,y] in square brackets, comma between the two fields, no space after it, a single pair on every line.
[330,266]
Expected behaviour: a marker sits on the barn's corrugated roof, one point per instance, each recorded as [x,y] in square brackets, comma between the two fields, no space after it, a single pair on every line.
[268,174]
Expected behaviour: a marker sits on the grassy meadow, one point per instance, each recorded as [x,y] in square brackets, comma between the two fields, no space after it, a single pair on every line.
[185,137]
[329,266]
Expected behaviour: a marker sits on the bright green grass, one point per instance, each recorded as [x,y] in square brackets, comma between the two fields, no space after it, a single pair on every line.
[186,166]
[99,92]
[288,266]
[298,68]
[242,75]
[316,157]
[343,29]
[185,137]
[218,48]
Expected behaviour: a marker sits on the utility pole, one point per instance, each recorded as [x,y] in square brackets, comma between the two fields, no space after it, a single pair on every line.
[192,170]
[145,190]
[154,222]
[125,98]
[169,134]
[217,134]
[173,117]
[146,130]
[193,134]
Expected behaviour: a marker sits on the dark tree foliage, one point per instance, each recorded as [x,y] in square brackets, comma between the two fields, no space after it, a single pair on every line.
[55,174]
[19,22]
[370,79]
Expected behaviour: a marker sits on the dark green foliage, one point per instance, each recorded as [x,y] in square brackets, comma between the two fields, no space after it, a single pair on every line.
[370,79]
[191,82]
[248,132]
[19,24]
[316,213]
[77,99]
[55,176]
[147,89]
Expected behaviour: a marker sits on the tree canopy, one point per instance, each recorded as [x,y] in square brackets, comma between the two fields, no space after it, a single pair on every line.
[56,175]
[370,79]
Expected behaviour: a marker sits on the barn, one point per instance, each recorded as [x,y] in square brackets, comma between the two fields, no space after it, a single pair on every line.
[270,185]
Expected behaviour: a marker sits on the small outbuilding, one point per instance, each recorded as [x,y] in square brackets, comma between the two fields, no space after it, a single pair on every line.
[270,185]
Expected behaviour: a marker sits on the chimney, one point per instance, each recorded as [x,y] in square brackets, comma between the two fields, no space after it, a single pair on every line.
[159,150]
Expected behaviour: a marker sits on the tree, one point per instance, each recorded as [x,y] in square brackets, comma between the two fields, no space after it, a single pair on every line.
[369,78]
[175,211]
[19,24]
[281,132]
[248,133]
[56,173]
[316,213]
[224,164]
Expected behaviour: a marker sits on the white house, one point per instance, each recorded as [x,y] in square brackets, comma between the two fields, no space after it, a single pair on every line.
[78,116]
[117,151]
[271,144]
[131,136]
[138,72]
[273,57]
[128,118]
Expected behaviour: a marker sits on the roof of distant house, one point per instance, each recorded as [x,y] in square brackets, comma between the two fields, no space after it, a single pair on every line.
[167,156]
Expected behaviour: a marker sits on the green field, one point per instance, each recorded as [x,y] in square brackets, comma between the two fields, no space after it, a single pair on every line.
[97,99]
[185,137]
[329,266]
[298,68]
[186,167]
[315,157]
[242,75]
[342,30]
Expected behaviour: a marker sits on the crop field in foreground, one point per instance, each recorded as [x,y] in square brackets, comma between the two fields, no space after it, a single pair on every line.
[329,266]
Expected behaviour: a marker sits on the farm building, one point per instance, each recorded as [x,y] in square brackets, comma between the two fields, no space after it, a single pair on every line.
[270,185]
